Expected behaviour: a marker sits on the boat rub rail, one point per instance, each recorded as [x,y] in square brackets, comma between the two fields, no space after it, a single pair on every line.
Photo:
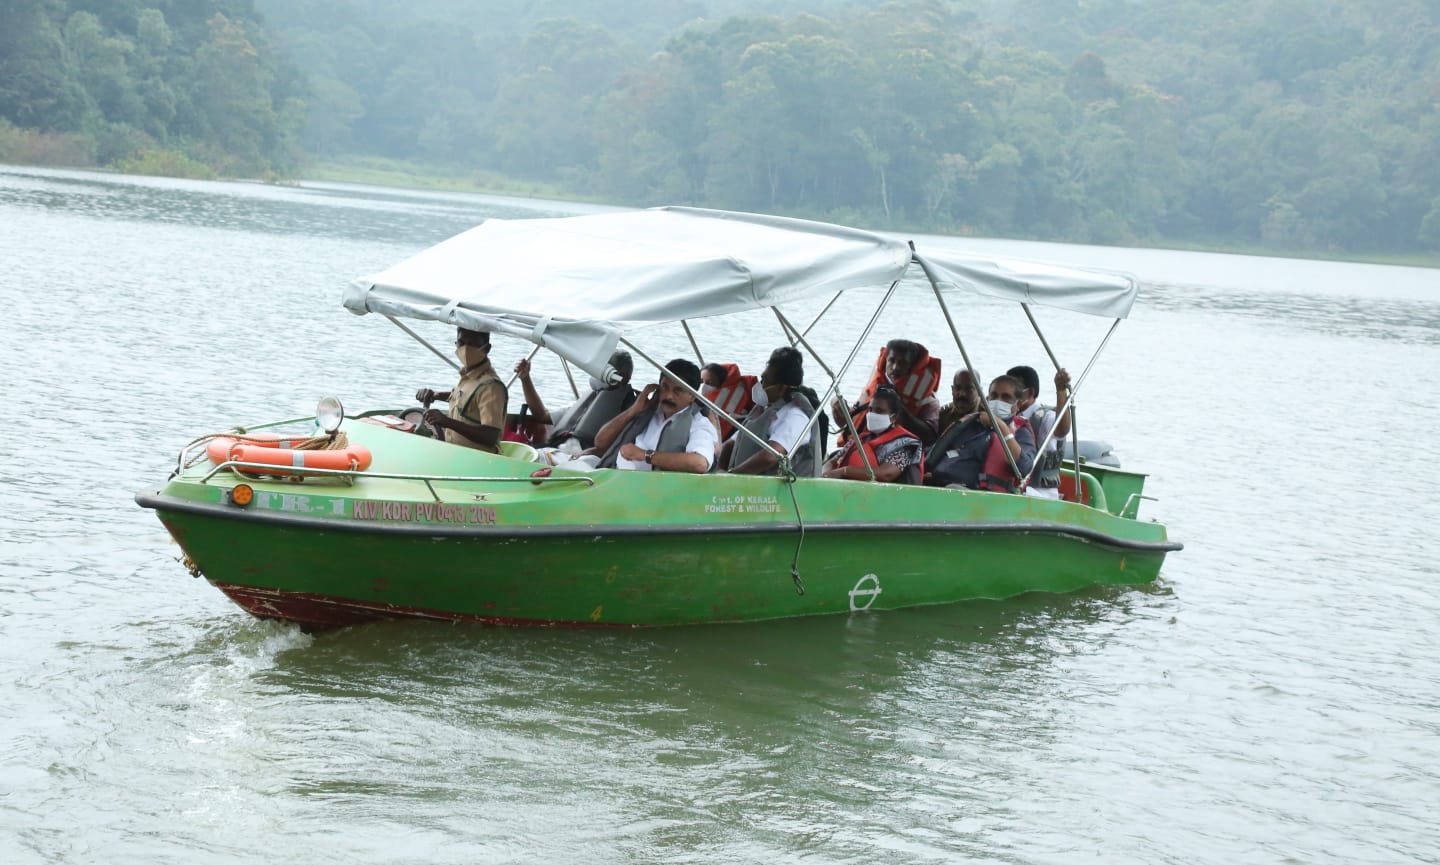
[165,504]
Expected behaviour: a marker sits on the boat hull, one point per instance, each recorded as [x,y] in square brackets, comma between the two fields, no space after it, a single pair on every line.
[634,549]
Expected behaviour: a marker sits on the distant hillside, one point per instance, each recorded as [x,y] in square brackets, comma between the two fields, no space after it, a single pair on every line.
[1283,124]
[184,84]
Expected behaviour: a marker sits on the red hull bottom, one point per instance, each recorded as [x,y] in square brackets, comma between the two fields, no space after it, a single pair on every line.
[325,613]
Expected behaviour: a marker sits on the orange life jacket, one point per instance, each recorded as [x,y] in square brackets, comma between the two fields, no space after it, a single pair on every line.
[850,456]
[914,387]
[996,474]
[733,397]
[922,381]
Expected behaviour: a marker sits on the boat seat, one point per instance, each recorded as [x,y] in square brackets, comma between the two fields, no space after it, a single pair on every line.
[1092,493]
[519,451]
[1067,489]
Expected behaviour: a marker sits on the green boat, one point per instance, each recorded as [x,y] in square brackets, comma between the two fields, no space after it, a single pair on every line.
[420,528]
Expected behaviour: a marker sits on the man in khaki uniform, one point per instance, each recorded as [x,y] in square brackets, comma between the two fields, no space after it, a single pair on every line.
[477,402]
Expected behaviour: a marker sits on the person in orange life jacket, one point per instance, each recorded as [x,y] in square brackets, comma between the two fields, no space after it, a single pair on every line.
[581,419]
[777,417]
[921,415]
[712,375]
[964,399]
[971,453]
[896,452]
[1045,481]
[722,384]
[664,430]
[477,402]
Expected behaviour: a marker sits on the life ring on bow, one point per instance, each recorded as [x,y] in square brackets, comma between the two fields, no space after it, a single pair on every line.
[280,457]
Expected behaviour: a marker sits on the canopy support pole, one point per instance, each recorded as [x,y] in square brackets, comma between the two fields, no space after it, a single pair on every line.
[796,337]
[420,339]
[700,358]
[1070,402]
[701,398]
[565,365]
[514,375]
[1074,424]
[834,388]
[814,321]
[965,355]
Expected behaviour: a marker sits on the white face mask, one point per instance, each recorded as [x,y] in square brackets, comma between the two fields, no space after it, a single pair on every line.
[708,391]
[757,393]
[877,422]
[596,384]
[1002,409]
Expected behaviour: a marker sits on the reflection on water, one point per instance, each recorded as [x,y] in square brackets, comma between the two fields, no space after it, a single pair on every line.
[1268,694]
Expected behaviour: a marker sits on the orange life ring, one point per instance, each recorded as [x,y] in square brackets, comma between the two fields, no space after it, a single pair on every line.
[280,457]
[219,447]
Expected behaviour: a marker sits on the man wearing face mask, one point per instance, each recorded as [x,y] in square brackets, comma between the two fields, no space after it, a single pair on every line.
[477,402]
[573,428]
[971,453]
[1045,482]
[665,430]
[781,416]
[892,450]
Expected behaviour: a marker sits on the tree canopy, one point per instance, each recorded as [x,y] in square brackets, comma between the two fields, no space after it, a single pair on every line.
[1275,123]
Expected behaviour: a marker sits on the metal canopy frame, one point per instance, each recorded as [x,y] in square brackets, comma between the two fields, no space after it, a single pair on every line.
[796,336]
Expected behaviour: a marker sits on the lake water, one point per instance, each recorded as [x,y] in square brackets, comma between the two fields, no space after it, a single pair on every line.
[1274,698]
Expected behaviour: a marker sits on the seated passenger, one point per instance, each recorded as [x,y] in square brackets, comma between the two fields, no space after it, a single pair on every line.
[722,384]
[573,428]
[892,450]
[477,402]
[781,416]
[1045,482]
[908,368]
[665,429]
[964,399]
[971,453]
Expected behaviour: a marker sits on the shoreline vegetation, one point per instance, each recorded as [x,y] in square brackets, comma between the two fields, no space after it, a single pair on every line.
[1243,126]
[398,174]
[48,150]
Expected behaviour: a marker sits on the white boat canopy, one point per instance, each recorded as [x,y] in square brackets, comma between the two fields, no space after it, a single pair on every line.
[575,285]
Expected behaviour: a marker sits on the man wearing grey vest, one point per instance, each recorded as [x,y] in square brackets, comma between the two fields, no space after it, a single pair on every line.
[781,416]
[664,430]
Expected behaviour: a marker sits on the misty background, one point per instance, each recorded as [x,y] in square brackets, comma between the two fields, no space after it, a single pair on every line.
[1283,125]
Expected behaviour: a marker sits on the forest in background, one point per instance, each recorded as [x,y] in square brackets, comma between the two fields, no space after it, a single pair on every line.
[1283,124]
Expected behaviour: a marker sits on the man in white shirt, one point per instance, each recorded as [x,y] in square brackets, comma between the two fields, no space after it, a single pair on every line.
[664,430]
[1045,479]
[781,416]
